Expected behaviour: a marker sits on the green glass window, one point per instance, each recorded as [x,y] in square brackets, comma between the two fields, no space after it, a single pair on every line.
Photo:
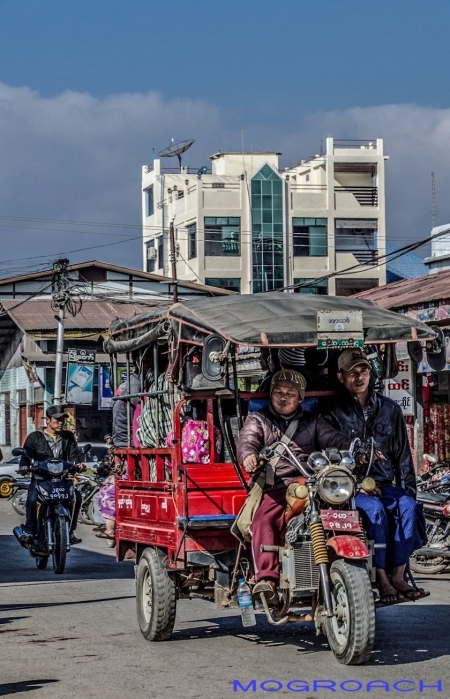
[228,283]
[310,237]
[267,230]
[313,286]
[222,236]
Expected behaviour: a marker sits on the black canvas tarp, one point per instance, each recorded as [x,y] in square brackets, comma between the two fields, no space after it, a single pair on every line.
[277,319]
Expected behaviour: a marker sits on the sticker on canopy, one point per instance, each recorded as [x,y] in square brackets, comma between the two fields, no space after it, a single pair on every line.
[341,520]
[336,341]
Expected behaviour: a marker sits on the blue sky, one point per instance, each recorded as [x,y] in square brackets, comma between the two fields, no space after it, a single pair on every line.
[88,88]
[279,56]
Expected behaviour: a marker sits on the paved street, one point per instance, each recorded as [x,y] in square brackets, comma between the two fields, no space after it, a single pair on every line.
[76,636]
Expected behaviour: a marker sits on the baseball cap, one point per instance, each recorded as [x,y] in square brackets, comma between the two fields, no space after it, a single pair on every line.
[350,358]
[294,378]
[56,411]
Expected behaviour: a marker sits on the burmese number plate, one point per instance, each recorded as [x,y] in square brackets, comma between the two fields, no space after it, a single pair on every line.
[341,520]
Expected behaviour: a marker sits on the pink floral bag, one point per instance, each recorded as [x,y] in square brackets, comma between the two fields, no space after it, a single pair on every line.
[195,442]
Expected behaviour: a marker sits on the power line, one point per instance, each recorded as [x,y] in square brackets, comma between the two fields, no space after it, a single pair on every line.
[393,255]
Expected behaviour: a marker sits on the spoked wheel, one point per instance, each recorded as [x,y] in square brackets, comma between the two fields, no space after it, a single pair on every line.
[60,550]
[430,564]
[351,631]
[19,502]
[41,563]
[155,596]
[5,489]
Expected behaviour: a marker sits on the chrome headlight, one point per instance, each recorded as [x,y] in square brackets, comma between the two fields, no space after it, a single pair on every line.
[317,461]
[55,467]
[335,486]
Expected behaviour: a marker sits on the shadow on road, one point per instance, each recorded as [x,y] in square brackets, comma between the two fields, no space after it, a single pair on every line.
[24,686]
[42,605]
[404,634]
[81,564]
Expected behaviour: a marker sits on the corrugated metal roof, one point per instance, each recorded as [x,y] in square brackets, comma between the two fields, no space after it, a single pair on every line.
[37,314]
[410,292]
[45,274]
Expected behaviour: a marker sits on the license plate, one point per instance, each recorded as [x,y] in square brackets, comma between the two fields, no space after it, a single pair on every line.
[341,520]
[58,494]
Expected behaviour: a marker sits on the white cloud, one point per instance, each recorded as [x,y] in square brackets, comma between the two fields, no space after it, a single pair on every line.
[76,157]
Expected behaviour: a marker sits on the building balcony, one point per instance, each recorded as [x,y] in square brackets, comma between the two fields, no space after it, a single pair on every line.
[351,197]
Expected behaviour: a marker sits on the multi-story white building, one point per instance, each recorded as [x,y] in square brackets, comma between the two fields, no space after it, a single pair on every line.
[248,226]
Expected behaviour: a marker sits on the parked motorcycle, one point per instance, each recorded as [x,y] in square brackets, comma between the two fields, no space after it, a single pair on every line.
[434,557]
[437,478]
[88,486]
[19,495]
[326,553]
[55,508]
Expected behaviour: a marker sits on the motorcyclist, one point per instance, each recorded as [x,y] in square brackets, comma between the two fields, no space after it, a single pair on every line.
[50,442]
[306,433]
[389,512]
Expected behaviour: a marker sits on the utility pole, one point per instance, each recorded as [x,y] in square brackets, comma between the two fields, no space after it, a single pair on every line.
[173,260]
[59,301]
[433,201]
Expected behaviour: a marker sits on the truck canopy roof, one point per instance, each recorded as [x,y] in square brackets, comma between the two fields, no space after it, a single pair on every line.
[259,320]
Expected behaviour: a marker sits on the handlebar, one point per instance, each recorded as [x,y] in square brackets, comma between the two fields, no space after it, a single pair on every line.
[268,452]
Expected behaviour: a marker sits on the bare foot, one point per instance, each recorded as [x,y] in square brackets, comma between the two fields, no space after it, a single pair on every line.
[388,593]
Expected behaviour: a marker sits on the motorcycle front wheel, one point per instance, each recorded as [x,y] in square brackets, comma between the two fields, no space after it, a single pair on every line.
[60,544]
[351,630]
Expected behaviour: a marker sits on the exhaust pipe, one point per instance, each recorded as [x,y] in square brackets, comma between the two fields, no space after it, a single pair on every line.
[432,553]
[18,533]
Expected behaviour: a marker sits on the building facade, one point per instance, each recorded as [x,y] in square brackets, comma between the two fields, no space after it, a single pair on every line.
[245,225]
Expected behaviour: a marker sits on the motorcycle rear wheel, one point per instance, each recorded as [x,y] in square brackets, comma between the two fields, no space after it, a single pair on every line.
[425,565]
[351,631]
[59,553]
[19,502]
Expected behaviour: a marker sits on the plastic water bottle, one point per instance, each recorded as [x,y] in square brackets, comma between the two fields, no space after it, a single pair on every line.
[245,603]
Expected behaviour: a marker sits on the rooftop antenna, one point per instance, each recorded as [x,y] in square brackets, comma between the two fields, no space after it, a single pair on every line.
[433,201]
[176,148]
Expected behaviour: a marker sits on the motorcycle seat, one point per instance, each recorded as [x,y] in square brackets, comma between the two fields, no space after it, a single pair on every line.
[432,498]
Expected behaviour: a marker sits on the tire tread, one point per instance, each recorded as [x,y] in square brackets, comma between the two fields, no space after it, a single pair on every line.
[163,596]
[359,648]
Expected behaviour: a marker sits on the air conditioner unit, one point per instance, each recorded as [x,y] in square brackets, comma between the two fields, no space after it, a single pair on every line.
[152,253]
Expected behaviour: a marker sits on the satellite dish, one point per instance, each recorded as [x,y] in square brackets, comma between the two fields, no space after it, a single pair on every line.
[176,148]
[203,170]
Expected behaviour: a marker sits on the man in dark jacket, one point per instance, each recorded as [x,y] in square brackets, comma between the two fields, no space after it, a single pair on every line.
[390,511]
[307,433]
[50,442]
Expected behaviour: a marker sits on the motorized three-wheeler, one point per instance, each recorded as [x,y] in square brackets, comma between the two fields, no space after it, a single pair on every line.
[177,507]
